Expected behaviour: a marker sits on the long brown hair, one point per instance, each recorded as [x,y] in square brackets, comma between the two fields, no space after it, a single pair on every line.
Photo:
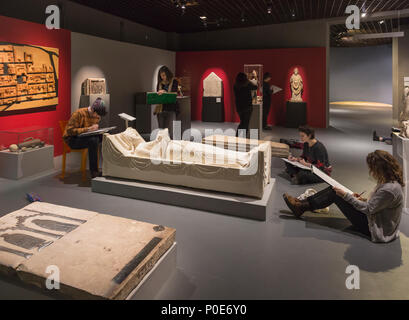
[384,167]
[169,76]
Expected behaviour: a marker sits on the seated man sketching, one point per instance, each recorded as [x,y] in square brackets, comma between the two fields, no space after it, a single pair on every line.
[86,120]
[314,153]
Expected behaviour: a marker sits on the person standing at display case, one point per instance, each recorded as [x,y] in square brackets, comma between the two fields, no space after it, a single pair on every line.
[314,153]
[267,93]
[86,120]
[380,216]
[244,101]
[166,113]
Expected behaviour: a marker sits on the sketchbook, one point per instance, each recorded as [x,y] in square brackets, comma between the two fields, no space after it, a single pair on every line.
[96,132]
[329,180]
[297,164]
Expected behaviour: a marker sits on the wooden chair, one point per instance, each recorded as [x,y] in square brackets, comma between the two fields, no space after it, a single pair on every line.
[67,149]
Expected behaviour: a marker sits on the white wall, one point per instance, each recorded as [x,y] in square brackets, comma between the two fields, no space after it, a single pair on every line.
[128,68]
[361,74]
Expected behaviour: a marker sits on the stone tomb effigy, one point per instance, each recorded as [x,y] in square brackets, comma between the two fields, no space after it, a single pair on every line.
[98,256]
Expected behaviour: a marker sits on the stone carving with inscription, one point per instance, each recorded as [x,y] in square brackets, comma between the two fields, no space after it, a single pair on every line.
[99,256]
[94,86]
[212,86]
[297,86]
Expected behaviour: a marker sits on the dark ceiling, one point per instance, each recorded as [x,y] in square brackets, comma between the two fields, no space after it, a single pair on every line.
[167,15]
[340,35]
[224,14]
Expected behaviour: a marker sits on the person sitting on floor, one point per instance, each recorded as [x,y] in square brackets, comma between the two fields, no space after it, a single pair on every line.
[387,140]
[314,153]
[380,216]
[86,120]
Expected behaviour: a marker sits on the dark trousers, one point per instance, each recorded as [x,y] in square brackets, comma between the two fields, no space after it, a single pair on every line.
[92,144]
[244,122]
[327,197]
[165,121]
[266,111]
[303,176]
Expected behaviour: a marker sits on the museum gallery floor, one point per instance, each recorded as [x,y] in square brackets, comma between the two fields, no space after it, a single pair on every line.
[223,257]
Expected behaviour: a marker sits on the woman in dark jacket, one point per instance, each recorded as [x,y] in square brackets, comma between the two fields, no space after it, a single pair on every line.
[314,153]
[244,102]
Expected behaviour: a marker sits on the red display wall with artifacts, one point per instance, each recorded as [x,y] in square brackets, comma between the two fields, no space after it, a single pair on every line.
[35,77]
[311,63]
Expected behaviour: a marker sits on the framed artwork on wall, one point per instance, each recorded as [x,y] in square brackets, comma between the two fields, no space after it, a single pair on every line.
[28,78]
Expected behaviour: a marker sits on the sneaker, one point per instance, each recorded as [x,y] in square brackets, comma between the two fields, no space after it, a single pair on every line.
[308,193]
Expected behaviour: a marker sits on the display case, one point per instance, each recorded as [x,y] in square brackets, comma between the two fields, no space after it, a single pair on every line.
[25,139]
[255,74]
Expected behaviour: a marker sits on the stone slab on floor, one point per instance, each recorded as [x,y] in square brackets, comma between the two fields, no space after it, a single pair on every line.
[224,203]
[98,256]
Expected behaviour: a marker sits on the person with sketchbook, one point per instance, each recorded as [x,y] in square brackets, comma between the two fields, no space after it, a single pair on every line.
[267,95]
[314,153]
[86,120]
[377,218]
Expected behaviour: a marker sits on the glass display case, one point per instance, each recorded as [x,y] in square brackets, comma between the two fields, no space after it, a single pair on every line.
[255,74]
[25,139]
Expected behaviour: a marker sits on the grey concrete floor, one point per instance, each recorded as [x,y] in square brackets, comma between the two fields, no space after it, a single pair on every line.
[221,257]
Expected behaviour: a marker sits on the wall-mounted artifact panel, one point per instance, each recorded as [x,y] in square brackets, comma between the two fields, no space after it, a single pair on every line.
[28,78]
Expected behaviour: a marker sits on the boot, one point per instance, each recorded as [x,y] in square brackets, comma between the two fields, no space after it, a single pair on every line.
[296,206]
[375,137]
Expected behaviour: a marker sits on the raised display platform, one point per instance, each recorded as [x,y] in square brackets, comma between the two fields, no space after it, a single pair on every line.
[224,203]
[296,114]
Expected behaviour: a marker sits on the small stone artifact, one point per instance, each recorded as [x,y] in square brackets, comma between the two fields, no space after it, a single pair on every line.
[13,148]
[405,129]
[297,87]
[29,143]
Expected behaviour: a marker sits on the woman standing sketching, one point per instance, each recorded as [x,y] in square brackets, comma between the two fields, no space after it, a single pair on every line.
[166,113]
[244,102]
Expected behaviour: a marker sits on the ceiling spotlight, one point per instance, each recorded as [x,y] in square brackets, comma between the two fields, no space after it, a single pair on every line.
[382,22]
[203,17]
[293,14]
[269,10]
[364,14]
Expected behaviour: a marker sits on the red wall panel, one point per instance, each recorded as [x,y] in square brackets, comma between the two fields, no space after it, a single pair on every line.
[311,63]
[19,31]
